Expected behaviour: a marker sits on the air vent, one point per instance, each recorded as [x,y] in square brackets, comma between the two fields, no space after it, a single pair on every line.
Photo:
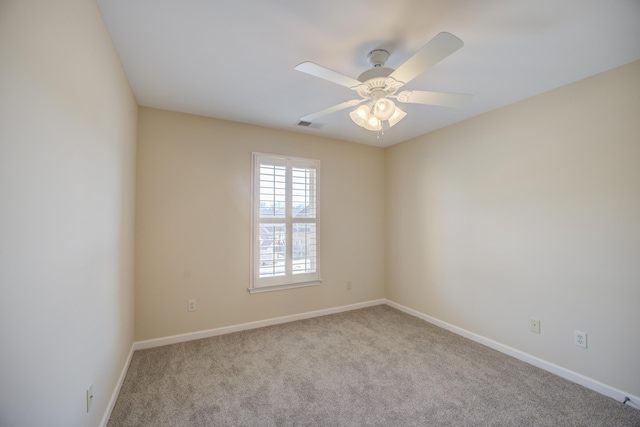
[311,125]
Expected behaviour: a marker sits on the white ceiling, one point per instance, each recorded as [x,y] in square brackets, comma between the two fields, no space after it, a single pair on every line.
[235,59]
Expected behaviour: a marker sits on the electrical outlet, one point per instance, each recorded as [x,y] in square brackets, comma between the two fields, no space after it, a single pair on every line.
[580,339]
[349,285]
[89,397]
[534,325]
[191,305]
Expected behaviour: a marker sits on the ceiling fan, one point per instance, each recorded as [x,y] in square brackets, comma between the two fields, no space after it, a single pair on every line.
[378,85]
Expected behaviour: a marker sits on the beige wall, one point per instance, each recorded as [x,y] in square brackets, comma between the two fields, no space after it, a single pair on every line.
[67,147]
[193,223]
[532,210]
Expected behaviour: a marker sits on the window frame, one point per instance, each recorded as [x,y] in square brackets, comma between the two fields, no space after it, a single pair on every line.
[289,280]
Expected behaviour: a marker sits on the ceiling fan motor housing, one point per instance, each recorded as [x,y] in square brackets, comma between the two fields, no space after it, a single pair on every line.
[373,73]
[376,82]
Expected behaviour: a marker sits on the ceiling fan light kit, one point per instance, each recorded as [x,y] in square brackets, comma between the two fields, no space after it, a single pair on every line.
[363,117]
[378,85]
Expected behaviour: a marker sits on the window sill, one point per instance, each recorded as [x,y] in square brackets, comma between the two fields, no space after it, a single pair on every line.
[283,287]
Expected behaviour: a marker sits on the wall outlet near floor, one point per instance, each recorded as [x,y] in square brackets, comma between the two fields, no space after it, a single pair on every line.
[191,305]
[534,325]
[349,285]
[580,339]
[89,397]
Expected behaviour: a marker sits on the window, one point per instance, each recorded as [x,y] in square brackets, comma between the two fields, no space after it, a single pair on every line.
[286,223]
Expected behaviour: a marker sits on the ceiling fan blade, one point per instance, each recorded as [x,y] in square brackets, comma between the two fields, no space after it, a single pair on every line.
[438,48]
[445,99]
[327,74]
[352,103]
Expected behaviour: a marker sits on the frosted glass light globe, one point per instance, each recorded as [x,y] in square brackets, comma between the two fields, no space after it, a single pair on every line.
[384,109]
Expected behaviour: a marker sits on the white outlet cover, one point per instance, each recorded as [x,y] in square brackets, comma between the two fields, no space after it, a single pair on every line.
[580,339]
[534,325]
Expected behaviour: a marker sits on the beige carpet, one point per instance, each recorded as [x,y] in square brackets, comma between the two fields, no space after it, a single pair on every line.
[371,367]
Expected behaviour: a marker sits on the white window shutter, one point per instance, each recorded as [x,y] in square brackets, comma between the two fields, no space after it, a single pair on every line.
[286,222]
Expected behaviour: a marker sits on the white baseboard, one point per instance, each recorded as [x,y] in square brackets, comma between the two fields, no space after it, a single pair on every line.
[575,377]
[174,339]
[116,391]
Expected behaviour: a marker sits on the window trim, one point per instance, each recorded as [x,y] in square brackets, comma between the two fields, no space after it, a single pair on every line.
[258,285]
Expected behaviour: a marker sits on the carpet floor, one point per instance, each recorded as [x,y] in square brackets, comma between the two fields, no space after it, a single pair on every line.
[371,367]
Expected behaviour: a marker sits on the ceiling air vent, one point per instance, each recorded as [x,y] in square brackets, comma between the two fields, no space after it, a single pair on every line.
[311,125]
